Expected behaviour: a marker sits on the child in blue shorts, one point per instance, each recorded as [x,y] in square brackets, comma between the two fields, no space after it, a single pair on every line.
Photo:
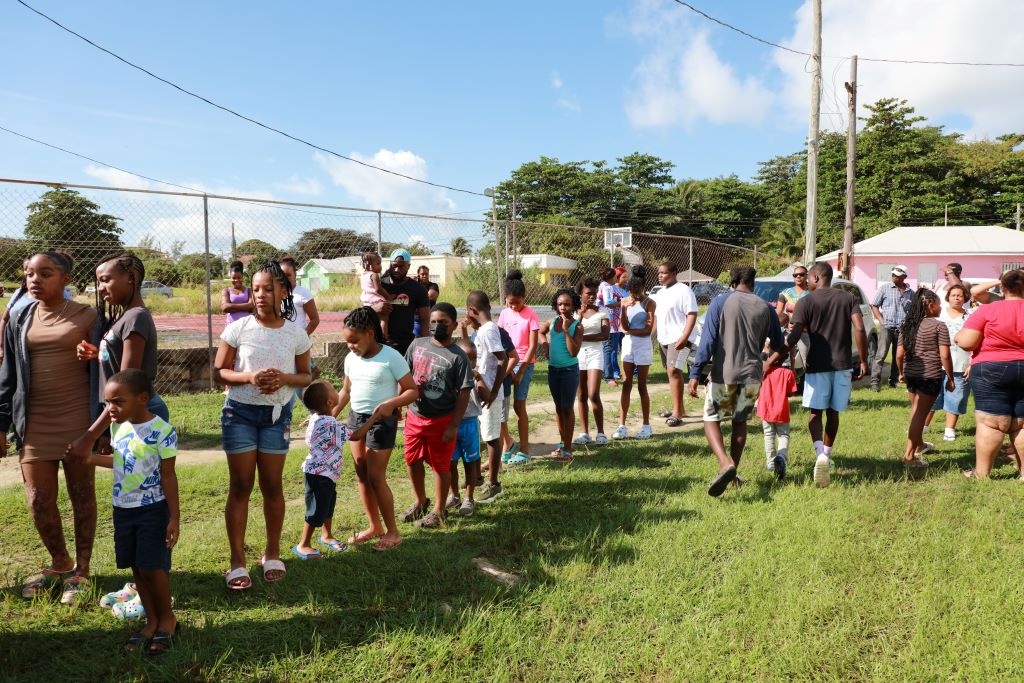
[467,443]
[145,498]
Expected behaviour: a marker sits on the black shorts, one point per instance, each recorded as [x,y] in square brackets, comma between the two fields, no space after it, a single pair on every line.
[381,436]
[140,537]
[924,385]
[321,492]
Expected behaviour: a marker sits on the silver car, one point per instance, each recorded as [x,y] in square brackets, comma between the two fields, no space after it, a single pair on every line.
[150,287]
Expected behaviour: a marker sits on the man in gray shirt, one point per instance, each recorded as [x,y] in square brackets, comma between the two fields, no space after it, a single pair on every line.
[735,328]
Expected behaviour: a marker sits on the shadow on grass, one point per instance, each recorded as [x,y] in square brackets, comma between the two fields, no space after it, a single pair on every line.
[427,587]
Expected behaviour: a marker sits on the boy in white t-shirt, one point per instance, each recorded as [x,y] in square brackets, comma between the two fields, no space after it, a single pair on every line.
[490,364]
[675,321]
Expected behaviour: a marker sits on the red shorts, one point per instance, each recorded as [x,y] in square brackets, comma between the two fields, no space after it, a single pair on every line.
[423,441]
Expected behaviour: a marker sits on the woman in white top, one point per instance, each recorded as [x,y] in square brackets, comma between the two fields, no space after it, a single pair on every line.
[954,315]
[596,329]
[262,359]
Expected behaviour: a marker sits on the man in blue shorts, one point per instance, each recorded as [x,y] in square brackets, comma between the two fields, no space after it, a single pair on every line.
[830,317]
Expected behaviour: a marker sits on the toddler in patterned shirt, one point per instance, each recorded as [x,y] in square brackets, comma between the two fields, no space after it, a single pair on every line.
[326,438]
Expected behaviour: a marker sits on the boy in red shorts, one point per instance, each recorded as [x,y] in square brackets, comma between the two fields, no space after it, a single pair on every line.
[444,377]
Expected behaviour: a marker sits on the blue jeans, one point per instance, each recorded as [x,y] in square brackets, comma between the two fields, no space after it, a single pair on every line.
[611,355]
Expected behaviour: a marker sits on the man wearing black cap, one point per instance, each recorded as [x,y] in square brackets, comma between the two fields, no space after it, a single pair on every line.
[410,300]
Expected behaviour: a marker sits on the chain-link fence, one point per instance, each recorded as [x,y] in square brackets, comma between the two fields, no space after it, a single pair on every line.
[188,240]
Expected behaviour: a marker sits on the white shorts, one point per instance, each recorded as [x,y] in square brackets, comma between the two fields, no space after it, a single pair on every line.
[490,421]
[637,350]
[591,357]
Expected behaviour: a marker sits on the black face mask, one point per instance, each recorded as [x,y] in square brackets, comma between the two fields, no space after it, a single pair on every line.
[440,331]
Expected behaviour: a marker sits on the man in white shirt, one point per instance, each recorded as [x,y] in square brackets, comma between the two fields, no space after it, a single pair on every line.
[675,321]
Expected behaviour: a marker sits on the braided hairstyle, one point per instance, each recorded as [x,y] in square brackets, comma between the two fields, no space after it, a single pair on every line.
[363,319]
[131,265]
[917,312]
[287,303]
[638,280]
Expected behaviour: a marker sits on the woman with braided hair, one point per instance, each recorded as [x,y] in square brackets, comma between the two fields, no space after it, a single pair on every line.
[924,361]
[262,358]
[124,339]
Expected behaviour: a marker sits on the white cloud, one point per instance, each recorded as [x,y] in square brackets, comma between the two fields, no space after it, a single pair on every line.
[980,31]
[379,190]
[555,80]
[569,103]
[306,186]
[116,178]
[682,79]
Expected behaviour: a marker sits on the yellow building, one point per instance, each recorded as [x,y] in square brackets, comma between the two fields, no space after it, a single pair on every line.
[554,270]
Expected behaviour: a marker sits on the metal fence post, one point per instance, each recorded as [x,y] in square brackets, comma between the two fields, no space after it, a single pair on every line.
[755,257]
[380,242]
[209,305]
[691,257]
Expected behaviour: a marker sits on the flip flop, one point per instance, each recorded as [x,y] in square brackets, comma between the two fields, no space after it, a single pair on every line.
[385,545]
[361,537]
[272,566]
[720,482]
[335,546]
[238,579]
[315,555]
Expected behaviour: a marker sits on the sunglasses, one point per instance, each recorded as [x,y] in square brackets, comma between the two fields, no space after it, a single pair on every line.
[799,274]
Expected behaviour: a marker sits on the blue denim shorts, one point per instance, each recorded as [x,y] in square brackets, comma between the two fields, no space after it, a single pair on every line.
[999,388]
[246,427]
[563,383]
[522,390]
[954,402]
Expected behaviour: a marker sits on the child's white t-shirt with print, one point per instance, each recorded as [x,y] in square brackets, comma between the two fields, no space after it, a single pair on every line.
[257,348]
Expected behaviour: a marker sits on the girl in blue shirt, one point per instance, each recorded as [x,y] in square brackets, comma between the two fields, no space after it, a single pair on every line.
[564,336]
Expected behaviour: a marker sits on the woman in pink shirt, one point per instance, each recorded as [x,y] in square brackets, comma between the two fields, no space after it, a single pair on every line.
[522,325]
[995,335]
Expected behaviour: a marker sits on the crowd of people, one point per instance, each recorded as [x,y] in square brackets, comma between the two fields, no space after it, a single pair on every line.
[451,395]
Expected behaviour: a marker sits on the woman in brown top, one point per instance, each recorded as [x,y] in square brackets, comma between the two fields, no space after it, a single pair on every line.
[925,364]
[44,398]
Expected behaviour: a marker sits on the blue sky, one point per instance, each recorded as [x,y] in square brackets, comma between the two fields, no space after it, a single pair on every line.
[461,93]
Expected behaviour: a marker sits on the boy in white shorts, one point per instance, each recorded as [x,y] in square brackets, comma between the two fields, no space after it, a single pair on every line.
[491,364]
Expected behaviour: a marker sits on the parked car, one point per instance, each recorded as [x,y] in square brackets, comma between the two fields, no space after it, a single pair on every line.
[150,287]
[769,288]
[706,291]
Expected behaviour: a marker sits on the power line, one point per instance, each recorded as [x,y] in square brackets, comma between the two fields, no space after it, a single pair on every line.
[764,41]
[237,114]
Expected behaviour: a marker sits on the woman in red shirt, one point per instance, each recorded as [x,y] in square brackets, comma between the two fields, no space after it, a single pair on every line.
[995,335]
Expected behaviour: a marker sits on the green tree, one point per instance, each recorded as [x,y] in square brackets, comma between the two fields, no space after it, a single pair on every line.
[731,209]
[328,243]
[197,262]
[63,219]
[460,247]
[258,252]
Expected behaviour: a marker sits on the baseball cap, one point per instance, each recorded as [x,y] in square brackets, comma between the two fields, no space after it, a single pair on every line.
[401,254]
[899,270]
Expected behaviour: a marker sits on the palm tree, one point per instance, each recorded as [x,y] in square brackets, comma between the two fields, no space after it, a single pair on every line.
[785,236]
[460,247]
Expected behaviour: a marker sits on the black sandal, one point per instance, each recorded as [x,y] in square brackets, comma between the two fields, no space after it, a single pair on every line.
[720,482]
[161,642]
[136,641]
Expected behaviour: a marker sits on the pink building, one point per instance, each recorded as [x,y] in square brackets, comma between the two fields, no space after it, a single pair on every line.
[985,252]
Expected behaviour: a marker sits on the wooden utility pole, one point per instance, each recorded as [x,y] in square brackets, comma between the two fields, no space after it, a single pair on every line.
[851,166]
[811,224]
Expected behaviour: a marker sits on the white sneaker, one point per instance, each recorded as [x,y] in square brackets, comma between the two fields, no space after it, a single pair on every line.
[600,439]
[582,440]
[926,447]
[620,432]
[949,435]
[822,477]
[645,432]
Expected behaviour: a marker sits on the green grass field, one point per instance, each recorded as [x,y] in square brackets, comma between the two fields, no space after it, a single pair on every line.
[629,571]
